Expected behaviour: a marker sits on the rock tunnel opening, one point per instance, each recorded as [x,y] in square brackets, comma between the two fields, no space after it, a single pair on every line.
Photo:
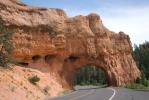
[90,75]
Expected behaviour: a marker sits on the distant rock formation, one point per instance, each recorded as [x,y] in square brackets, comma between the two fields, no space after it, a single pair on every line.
[49,40]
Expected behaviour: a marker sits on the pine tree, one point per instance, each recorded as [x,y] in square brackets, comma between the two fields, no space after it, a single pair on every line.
[141,55]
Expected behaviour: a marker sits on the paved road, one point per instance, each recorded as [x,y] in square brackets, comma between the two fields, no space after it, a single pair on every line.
[105,94]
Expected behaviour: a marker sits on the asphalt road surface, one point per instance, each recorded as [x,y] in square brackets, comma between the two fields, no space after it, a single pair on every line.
[109,93]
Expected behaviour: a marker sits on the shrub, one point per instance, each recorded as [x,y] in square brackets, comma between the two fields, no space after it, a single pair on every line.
[135,86]
[143,81]
[34,79]
[82,83]
[3,60]
[146,83]
[6,45]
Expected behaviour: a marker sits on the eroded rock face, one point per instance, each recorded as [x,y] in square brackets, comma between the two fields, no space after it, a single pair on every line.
[49,40]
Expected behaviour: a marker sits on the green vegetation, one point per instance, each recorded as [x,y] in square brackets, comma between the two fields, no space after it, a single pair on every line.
[141,84]
[135,86]
[141,55]
[90,75]
[5,45]
[65,92]
[34,79]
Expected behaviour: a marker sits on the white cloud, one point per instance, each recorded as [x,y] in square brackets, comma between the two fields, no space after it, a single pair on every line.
[133,21]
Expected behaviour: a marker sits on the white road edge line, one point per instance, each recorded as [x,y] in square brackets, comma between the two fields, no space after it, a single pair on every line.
[84,95]
[114,93]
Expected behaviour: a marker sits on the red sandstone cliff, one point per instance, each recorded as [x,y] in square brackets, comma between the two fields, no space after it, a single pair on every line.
[50,41]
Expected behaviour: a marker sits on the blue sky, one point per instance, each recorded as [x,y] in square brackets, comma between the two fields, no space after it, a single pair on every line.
[130,16]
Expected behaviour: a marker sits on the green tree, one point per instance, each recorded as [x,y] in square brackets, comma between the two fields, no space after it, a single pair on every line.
[5,45]
[141,55]
[90,75]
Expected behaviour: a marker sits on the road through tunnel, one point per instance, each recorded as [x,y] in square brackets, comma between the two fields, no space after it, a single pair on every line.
[83,71]
[90,75]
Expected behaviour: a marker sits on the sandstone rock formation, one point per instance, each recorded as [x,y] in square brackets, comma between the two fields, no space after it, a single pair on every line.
[15,85]
[49,40]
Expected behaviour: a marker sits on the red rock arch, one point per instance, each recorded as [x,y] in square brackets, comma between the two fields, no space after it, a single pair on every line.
[70,78]
[75,41]
[70,68]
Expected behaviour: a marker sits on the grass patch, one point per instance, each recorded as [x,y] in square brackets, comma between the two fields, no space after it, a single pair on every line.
[139,84]
[135,86]
[65,92]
